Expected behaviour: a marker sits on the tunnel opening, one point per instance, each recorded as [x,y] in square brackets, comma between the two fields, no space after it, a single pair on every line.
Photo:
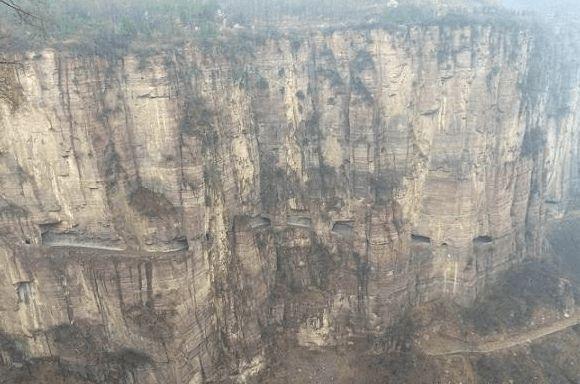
[182,244]
[300,221]
[483,240]
[24,291]
[343,228]
[420,239]
[260,222]
[48,238]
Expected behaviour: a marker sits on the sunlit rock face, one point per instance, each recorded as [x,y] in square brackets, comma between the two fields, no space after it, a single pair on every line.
[164,217]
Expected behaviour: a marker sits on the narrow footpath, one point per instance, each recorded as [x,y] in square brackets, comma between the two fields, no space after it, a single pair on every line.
[440,346]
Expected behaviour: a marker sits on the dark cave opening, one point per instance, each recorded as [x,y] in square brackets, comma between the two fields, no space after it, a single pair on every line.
[300,221]
[24,291]
[483,240]
[343,228]
[420,239]
[260,222]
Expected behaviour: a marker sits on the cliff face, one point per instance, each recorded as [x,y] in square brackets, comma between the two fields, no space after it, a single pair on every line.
[169,216]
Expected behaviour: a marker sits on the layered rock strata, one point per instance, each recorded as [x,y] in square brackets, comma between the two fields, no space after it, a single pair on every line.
[176,211]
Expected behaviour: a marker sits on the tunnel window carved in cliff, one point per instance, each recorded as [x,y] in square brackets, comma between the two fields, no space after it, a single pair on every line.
[181,244]
[481,240]
[300,221]
[420,239]
[24,291]
[260,222]
[343,228]
[47,233]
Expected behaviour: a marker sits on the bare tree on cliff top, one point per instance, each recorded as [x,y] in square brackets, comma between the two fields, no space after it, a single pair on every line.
[22,13]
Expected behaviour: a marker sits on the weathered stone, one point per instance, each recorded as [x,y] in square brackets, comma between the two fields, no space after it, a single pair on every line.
[182,218]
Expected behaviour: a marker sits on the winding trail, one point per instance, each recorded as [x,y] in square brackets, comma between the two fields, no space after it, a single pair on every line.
[441,346]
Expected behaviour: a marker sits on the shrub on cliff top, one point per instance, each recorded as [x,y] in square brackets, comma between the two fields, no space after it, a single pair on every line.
[108,24]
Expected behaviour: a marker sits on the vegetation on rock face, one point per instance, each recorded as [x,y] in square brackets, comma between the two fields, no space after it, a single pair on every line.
[10,89]
[512,301]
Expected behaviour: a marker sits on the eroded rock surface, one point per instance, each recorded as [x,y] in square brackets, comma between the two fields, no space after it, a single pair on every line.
[166,218]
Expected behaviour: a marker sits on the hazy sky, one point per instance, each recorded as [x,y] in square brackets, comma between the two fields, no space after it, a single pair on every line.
[543,4]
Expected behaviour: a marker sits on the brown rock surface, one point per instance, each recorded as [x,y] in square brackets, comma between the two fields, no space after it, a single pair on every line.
[166,218]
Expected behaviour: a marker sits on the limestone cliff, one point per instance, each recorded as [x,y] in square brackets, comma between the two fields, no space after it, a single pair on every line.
[168,216]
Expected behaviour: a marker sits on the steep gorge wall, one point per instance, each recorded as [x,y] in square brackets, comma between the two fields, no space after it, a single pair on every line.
[181,209]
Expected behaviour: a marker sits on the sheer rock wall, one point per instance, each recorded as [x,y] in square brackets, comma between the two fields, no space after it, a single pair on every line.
[177,211]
